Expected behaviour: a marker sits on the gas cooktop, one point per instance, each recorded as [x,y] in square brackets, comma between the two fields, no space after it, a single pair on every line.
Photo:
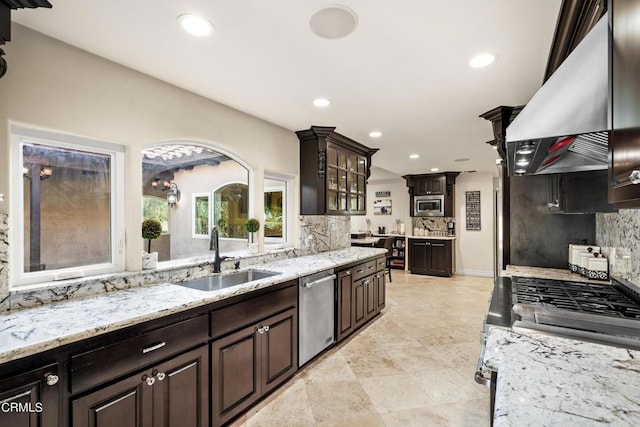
[590,298]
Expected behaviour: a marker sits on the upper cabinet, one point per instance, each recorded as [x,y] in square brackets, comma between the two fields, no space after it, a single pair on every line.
[433,185]
[624,138]
[333,173]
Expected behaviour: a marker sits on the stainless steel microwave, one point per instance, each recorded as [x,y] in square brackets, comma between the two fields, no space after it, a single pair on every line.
[428,205]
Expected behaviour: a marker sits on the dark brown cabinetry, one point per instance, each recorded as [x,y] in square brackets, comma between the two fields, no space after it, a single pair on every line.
[624,138]
[433,184]
[258,356]
[30,399]
[172,393]
[333,173]
[360,295]
[432,257]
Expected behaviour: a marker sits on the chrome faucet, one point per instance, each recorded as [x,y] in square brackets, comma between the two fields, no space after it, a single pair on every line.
[214,245]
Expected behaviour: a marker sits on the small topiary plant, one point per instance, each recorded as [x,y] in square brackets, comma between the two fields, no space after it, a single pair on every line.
[252,226]
[151,229]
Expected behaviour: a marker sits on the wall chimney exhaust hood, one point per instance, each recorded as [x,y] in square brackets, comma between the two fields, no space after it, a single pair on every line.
[564,126]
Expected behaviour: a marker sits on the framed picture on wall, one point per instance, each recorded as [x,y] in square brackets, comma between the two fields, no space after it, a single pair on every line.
[472,199]
[382,207]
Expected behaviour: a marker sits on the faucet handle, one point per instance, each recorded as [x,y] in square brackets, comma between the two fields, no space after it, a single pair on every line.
[236,265]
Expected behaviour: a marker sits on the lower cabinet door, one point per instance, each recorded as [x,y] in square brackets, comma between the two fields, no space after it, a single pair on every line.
[181,390]
[235,373]
[418,256]
[358,301]
[440,258]
[279,341]
[381,290]
[370,295]
[344,318]
[127,403]
[30,399]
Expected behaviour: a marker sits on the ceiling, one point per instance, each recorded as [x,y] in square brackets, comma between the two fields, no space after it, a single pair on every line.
[403,71]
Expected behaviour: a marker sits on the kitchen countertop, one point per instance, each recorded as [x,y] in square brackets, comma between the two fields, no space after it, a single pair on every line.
[553,381]
[430,237]
[548,273]
[33,330]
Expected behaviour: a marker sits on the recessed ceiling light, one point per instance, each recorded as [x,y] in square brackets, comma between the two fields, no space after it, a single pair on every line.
[414,156]
[321,102]
[482,60]
[522,162]
[526,149]
[435,169]
[195,25]
[333,22]
[520,171]
[375,134]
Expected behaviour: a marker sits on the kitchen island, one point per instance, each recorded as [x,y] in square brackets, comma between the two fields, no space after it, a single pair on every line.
[551,381]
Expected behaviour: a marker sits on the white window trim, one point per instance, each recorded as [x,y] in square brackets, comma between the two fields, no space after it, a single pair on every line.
[20,135]
[194,196]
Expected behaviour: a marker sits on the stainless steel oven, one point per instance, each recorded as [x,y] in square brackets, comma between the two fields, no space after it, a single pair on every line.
[432,205]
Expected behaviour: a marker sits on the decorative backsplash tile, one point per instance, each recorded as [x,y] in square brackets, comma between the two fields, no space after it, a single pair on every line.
[320,233]
[431,223]
[621,231]
[4,255]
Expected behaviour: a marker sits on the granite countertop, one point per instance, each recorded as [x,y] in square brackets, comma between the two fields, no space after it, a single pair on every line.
[433,237]
[548,273]
[551,381]
[33,330]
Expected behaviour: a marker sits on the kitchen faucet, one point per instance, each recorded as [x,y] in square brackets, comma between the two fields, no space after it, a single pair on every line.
[214,245]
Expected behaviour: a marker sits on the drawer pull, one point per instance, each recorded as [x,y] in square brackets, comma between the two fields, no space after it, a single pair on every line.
[348,273]
[147,379]
[52,379]
[161,376]
[153,347]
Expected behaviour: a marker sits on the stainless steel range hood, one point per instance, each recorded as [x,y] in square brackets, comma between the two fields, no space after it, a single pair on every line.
[563,127]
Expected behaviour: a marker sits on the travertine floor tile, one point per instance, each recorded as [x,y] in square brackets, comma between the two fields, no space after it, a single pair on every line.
[413,366]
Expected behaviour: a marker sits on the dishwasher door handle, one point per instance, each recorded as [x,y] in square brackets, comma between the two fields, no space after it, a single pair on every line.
[317,282]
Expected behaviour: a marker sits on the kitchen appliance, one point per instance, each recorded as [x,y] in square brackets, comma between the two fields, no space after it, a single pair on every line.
[432,205]
[382,230]
[451,228]
[316,314]
[600,313]
[563,127]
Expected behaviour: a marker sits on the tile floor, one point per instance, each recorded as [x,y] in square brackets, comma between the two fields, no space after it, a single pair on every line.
[412,366]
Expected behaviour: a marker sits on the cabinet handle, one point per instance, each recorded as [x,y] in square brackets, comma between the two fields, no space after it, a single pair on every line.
[635,177]
[153,347]
[348,272]
[266,328]
[52,379]
[161,376]
[147,379]
[261,330]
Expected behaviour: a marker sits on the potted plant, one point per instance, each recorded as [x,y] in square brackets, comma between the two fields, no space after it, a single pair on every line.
[151,229]
[252,226]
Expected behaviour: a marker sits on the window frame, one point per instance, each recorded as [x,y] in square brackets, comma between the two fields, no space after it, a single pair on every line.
[21,135]
[287,210]
[195,196]
[213,207]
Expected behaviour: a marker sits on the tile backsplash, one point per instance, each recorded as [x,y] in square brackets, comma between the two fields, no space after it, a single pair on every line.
[621,230]
[431,223]
[4,255]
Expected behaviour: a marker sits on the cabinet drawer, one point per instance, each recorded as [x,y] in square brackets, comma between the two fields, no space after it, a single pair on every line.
[359,271]
[381,263]
[236,316]
[107,363]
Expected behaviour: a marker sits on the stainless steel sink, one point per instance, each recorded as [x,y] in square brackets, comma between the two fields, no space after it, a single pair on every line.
[222,281]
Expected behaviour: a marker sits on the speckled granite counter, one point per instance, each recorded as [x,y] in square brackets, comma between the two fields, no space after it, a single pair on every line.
[548,273]
[32,330]
[551,381]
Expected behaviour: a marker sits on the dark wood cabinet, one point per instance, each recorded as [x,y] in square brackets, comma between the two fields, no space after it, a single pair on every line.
[173,393]
[252,361]
[433,257]
[433,184]
[360,295]
[333,173]
[30,399]
[624,138]
[344,324]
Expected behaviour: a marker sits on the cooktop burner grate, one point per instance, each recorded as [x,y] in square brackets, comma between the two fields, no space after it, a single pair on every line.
[575,296]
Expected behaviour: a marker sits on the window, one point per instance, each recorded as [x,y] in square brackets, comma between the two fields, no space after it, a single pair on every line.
[201,222]
[156,208]
[67,214]
[275,212]
[232,210]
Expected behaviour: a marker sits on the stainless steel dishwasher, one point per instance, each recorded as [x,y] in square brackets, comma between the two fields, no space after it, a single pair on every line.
[316,314]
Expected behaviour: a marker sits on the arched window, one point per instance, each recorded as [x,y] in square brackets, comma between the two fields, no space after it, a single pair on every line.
[231,210]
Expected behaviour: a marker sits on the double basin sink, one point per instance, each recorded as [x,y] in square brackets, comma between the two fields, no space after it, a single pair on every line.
[222,281]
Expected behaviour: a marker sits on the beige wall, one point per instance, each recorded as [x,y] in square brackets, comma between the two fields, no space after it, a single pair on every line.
[474,249]
[54,86]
